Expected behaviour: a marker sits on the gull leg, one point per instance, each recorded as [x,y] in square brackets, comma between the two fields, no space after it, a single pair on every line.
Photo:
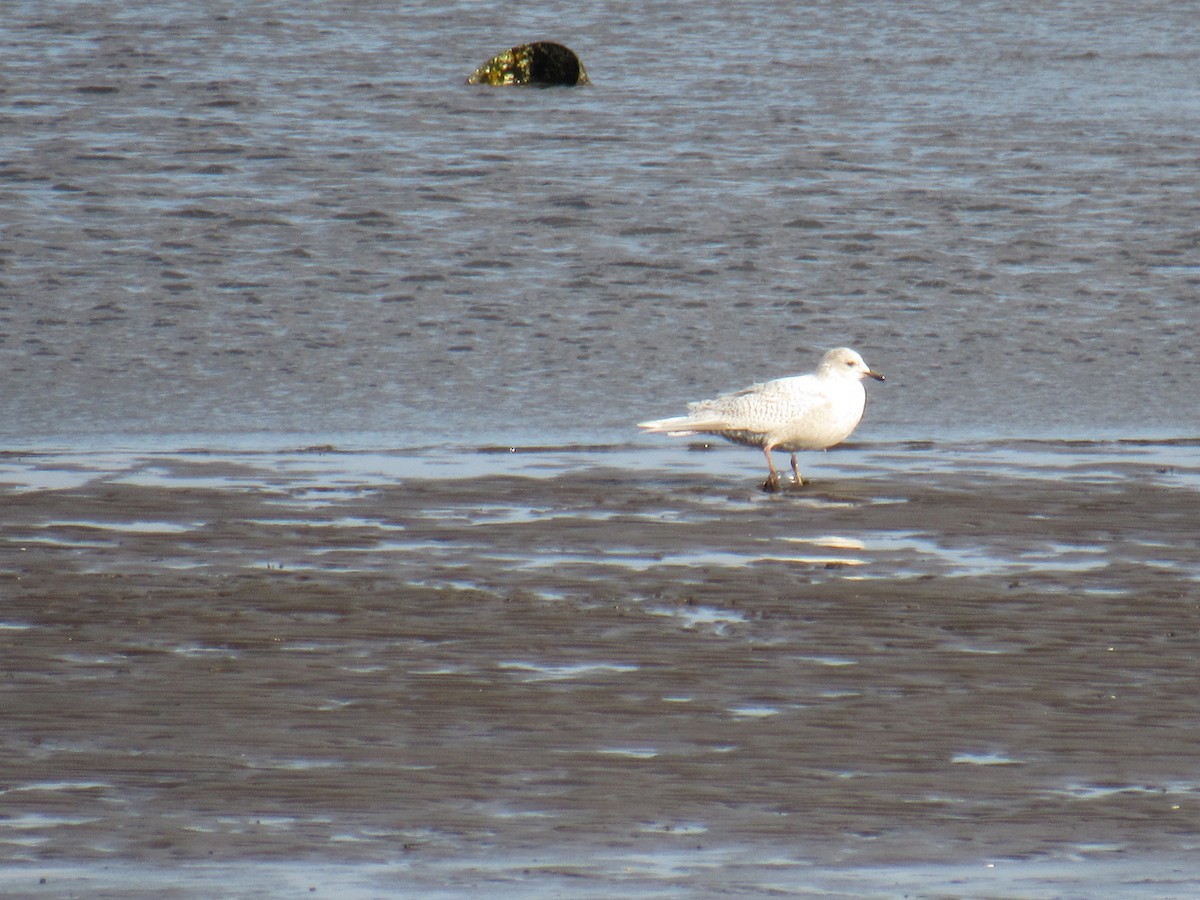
[796,471]
[772,482]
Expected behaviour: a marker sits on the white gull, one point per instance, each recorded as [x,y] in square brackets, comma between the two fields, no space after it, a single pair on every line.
[802,412]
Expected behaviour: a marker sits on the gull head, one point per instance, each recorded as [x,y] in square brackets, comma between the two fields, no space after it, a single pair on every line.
[842,362]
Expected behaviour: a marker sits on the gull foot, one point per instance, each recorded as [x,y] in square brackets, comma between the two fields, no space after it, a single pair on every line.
[776,485]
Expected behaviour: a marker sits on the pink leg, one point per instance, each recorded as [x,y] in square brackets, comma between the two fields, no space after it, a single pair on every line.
[796,471]
[772,483]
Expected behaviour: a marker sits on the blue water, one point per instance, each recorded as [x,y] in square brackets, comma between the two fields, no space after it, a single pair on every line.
[293,219]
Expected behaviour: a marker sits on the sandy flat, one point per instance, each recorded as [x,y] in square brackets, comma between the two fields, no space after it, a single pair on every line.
[594,678]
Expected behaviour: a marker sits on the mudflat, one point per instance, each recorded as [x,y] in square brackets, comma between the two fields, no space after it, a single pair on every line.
[592,679]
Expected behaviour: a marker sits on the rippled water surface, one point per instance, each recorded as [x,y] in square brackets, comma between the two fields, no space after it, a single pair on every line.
[296,217]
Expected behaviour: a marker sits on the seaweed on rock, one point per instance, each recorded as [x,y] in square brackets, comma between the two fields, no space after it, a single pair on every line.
[540,63]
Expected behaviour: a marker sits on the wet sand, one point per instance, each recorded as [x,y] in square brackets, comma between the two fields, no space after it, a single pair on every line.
[924,673]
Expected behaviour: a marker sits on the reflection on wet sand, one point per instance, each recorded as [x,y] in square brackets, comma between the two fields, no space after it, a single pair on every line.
[473,683]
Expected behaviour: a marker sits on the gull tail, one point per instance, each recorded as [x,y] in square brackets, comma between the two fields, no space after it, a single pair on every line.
[675,426]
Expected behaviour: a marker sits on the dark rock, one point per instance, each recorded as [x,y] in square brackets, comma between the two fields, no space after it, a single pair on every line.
[542,63]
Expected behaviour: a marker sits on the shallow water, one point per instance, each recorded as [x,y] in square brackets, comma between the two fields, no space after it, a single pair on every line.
[289,219]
